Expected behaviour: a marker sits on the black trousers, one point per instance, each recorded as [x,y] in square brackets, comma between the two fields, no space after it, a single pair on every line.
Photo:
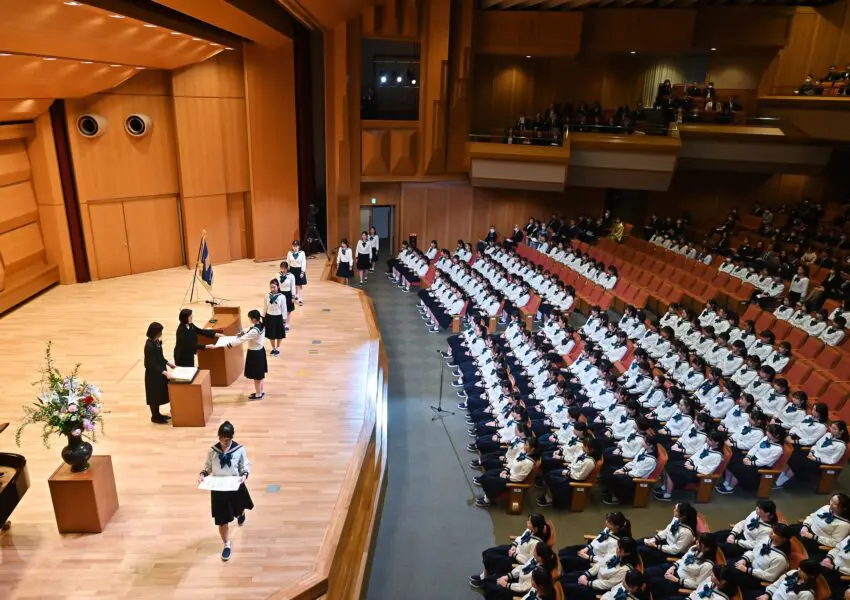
[493,483]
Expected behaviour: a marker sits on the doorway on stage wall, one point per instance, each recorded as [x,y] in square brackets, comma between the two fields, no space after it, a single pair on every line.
[382,218]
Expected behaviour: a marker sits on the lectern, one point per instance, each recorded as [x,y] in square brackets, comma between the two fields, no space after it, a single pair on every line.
[191,403]
[224,364]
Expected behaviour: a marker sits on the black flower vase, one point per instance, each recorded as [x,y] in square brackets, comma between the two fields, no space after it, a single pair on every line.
[77,453]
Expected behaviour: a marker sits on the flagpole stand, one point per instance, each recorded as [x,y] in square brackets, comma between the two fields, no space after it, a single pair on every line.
[190,292]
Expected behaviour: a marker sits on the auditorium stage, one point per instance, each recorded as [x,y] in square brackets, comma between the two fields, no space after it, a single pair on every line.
[308,436]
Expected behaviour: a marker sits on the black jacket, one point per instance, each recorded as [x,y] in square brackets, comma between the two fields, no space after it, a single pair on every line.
[187,344]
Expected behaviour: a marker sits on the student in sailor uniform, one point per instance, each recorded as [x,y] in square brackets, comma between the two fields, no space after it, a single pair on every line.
[187,339]
[692,568]
[739,415]
[287,288]
[719,405]
[748,436]
[297,261]
[779,358]
[766,562]
[618,487]
[600,548]
[744,471]
[703,462]
[274,316]
[374,243]
[828,450]
[827,526]
[673,540]
[602,576]
[834,334]
[750,532]
[799,285]
[808,431]
[364,257]
[785,311]
[682,419]
[794,411]
[228,458]
[519,580]
[344,261]
[394,263]
[579,469]
[542,586]
[495,482]
[749,372]
[720,586]
[256,365]
[796,584]
[634,587]
[156,374]
[692,441]
[502,559]
[834,566]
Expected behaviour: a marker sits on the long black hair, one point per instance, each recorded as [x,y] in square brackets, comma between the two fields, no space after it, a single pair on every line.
[547,557]
[687,515]
[543,580]
[540,526]
[184,315]
[622,526]
[709,544]
[254,314]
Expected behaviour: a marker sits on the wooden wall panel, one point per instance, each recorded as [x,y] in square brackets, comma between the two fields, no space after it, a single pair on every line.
[394,19]
[219,77]
[117,165]
[17,206]
[621,30]
[519,33]
[460,86]
[23,110]
[108,250]
[207,213]
[237,226]
[733,28]
[199,137]
[21,248]
[505,86]
[14,163]
[272,143]
[153,234]
[234,139]
[434,88]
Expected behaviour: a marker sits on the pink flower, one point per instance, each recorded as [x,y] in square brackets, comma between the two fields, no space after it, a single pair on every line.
[77,433]
[72,408]
[88,424]
[92,410]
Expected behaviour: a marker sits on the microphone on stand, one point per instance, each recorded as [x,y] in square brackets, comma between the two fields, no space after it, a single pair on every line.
[212,302]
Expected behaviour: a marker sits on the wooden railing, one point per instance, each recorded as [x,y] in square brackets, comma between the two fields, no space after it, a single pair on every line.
[342,564]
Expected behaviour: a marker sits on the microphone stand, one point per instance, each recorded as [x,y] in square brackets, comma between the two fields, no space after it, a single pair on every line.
[439,411]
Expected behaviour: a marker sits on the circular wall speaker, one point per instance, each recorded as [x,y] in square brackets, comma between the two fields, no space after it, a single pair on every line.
[138,125]
[91,126]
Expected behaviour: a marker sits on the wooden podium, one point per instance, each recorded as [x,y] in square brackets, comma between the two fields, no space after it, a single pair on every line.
[84,502]
[224,364]
[191,403]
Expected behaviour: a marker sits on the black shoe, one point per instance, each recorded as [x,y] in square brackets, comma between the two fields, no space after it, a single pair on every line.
[240,520]
[461,405]
[159,420]
[542,502]
[475,463]
[472,448]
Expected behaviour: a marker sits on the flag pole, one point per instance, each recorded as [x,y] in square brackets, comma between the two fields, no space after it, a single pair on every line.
[197,262]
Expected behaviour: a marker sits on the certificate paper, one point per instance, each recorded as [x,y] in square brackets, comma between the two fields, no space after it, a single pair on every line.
[183,374]
[223,341]
[219,484]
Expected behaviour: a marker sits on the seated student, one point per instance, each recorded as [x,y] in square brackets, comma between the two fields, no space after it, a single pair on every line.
[766,562]
[763,346]
[502,559]
[749,371]
[794,411]
[710,388]
[750,532]
[557,482]
[764,391]
[602,576]
[682,418]
[719,586]
[693,378]
[618,486]
[689,571]
[519,580]
[828,450]
[796,584]
[693,440]
[816,323]
[684,472]
[634,587]
[835,566]
[826,526]
[750,434]
[785,311]
[834,334]
[679,535]
[778,359]
[808,431]
[744,471]
[495,482]
[582,556]
[739,415]
[393,263]
[801,317]
[542,586]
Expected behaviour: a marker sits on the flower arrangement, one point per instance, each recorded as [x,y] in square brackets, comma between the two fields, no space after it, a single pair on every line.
[67,405]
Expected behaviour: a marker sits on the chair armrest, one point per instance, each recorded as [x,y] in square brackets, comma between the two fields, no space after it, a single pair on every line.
[806,448]
[769,472]
[825,548]
[581,484]
[589,537]
[824,467]
[642,480]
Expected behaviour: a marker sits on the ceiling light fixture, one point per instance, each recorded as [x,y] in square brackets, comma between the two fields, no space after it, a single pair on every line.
[149,25]
[214,44]
[175,33]
[528,56]
[140,68]
[714,49]
[632,52]
[114,65]
[196,39]
[49,58]
[72,3]
[85,62]
[228,48]
[115,16]
[5,54]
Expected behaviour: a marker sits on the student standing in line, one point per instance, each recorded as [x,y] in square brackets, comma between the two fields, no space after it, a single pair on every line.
[298,267]
[256,365]
[156,374]
[364,257]
[345,261]
[228,458]
[187,339]
[287,288]
[375,242]
[274,313]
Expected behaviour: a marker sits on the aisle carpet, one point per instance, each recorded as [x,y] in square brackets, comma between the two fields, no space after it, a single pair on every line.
[431,535]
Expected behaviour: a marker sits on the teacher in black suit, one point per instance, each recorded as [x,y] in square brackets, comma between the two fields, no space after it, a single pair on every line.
[156,374]
[187,340]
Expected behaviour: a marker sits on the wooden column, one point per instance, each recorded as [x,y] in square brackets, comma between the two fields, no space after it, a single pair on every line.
[457,159]
[434,89]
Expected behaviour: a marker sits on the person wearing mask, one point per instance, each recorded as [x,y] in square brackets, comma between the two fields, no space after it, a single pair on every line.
[156,374]
[750,532]
[256,365]
[187,344]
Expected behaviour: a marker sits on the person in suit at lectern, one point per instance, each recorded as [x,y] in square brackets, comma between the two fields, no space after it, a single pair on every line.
[187,340]
[156,374]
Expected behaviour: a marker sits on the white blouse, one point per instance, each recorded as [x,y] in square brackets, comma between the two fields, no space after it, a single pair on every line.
[274,304]
[296,259]
[364,247]
[344,256]
[254,337]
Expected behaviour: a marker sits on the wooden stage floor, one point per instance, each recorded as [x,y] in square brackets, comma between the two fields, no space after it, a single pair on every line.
[162,542]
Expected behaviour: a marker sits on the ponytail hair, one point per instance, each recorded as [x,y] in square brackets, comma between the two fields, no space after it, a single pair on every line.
[548,558]
[542,579]
[254,314]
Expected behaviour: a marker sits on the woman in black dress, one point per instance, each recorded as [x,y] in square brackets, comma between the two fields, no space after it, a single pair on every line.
[156,374]
[187,344]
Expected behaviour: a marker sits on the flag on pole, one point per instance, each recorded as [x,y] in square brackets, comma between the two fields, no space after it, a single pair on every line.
[205,264]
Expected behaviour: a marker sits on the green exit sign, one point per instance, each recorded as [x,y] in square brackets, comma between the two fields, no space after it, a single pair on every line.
[374,200]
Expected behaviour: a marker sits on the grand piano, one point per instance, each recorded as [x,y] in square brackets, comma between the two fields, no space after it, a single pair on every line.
[14,483]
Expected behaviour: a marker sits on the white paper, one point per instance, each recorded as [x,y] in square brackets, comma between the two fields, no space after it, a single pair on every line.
[219,484]
[223,341]
[183,374]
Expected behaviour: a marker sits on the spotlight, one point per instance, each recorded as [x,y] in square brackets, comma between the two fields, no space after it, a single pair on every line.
[714,49]
[411,77]
[383,78]
[399,79]
[632,52]
[412,82]
[149,25]
[528,56]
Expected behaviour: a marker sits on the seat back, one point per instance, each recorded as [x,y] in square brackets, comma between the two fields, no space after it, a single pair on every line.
[779,465]
[815,384]
[551,532]
[796,337]
[822,591]
[835,396]
[702,524]
[780,329]
[764,321]
[811,348]
[828,358]
[798,553]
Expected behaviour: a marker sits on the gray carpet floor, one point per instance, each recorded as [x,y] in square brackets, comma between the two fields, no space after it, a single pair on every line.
[431,535]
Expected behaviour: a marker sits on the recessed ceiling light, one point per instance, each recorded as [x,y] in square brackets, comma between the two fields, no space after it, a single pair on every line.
[175,33]
[114,65]
[49,58]
[140,68]
[214,44]
[5,54]
[527,56]
[150,25]
[72,3]
[85,62]
[196,39]
[632,52]
[117,16]
[228,48]
[714,49]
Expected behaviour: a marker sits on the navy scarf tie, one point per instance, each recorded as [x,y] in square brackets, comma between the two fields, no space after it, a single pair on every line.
[224,460]
[705,592]
[827,442]
[704,453]
[612,562]
[746,429]
[753,524]
[764,444]
[674,526]
[765,549]
[621,594]
[690,559]
[827,517]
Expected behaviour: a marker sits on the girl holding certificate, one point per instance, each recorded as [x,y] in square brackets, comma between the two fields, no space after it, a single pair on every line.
[256,365]
[228,458]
